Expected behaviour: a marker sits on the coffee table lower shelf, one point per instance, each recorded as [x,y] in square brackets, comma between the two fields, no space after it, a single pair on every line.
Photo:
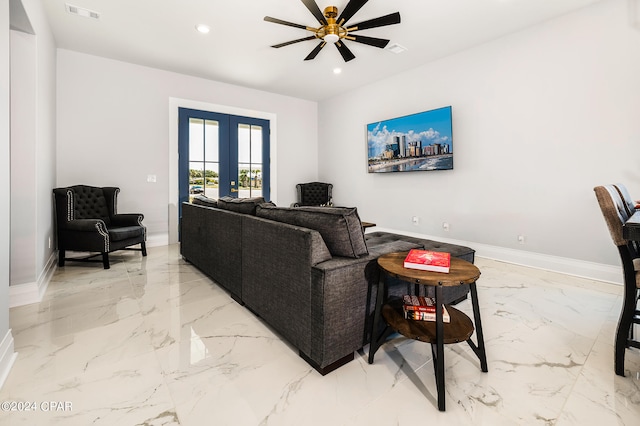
[459,329]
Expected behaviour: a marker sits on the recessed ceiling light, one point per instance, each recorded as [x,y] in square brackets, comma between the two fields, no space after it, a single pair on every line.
[337,70]
[204,29]
[396,48]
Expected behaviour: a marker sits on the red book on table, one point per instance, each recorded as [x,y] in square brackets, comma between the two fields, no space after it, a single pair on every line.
[426,260]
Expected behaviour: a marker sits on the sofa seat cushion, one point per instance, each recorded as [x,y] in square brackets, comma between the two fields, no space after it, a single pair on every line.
[340,227]
[381,238]
[125,232]
[240,205]
[379,248]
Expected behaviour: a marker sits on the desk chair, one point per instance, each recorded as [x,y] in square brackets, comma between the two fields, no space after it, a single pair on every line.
[617,207]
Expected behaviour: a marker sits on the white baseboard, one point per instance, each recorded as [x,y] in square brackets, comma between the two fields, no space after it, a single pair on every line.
[157,240]
[27,293]
[579,268]
[24,294]
[7,357]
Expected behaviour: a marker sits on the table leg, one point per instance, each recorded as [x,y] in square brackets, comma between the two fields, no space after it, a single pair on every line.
[480,349]
[439,350]
[375,336]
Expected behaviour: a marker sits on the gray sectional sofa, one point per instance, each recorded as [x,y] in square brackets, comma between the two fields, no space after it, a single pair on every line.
[309,272]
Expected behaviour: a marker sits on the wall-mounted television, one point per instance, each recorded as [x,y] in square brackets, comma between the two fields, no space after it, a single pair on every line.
[416,142]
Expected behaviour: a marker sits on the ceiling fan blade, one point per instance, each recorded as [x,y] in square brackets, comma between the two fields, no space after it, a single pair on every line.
[287,43]
[390,19]
[371,41]
[347,55]
[315,11]
[315,51]
[281,22]
[350,9]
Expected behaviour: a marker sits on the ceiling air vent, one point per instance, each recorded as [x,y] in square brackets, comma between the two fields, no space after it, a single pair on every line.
[396,48]
[80,11]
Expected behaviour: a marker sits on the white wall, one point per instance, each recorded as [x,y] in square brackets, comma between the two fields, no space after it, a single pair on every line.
[23,154]
[45,159]
[5,181]
[113,129]
[539,118]
[33,120]
[7,356]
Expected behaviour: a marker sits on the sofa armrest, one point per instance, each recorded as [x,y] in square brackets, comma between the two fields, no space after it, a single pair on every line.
[127,219]
[86,225]
[341,288]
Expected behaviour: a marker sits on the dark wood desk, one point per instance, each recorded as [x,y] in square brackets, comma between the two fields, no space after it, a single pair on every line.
[631,228]
[459,329]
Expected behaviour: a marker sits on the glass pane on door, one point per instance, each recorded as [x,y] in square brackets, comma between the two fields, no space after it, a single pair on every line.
[212,180]
[196,139]
[249,160]
[204,157]
[211,141]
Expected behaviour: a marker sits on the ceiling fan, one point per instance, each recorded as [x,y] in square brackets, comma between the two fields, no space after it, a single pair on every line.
[334,28]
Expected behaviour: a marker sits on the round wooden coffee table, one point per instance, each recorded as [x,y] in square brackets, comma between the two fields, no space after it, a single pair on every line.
[459,329]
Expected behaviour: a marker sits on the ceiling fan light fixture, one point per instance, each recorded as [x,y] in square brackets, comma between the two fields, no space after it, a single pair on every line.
[331,38]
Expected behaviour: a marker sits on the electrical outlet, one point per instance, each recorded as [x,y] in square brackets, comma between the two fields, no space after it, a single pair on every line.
[445,226]
[151,178]
[415,220]
[521,239]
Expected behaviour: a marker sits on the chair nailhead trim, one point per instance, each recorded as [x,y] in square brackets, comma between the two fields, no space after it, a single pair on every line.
[69,205]
[100,226]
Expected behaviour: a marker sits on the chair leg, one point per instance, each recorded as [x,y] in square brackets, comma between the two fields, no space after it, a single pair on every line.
[105,260]
[61,255]
[143,247]
[622,337]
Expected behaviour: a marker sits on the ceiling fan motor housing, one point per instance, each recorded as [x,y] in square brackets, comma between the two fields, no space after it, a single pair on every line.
[331,32]
[331,12]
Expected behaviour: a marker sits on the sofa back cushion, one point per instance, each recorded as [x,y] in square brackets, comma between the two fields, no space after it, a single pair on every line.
[240,205]
[89,202]
[340,227]
[204,201]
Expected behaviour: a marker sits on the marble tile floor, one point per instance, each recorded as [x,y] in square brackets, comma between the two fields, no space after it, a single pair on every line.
[153,341]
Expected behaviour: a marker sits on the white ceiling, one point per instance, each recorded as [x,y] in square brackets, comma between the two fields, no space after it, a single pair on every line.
[161,34]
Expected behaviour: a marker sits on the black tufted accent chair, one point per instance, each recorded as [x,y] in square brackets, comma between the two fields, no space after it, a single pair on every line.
[314,194]
[87,220]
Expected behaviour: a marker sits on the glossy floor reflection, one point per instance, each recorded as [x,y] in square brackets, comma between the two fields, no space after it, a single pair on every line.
[153,341]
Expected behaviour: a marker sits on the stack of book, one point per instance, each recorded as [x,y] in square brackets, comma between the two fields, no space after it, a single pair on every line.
[428,260]
[422,308]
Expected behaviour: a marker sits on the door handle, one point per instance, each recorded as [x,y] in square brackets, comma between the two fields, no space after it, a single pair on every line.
[234,190]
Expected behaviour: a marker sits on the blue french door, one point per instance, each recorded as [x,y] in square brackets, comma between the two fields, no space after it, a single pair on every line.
[222,155]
